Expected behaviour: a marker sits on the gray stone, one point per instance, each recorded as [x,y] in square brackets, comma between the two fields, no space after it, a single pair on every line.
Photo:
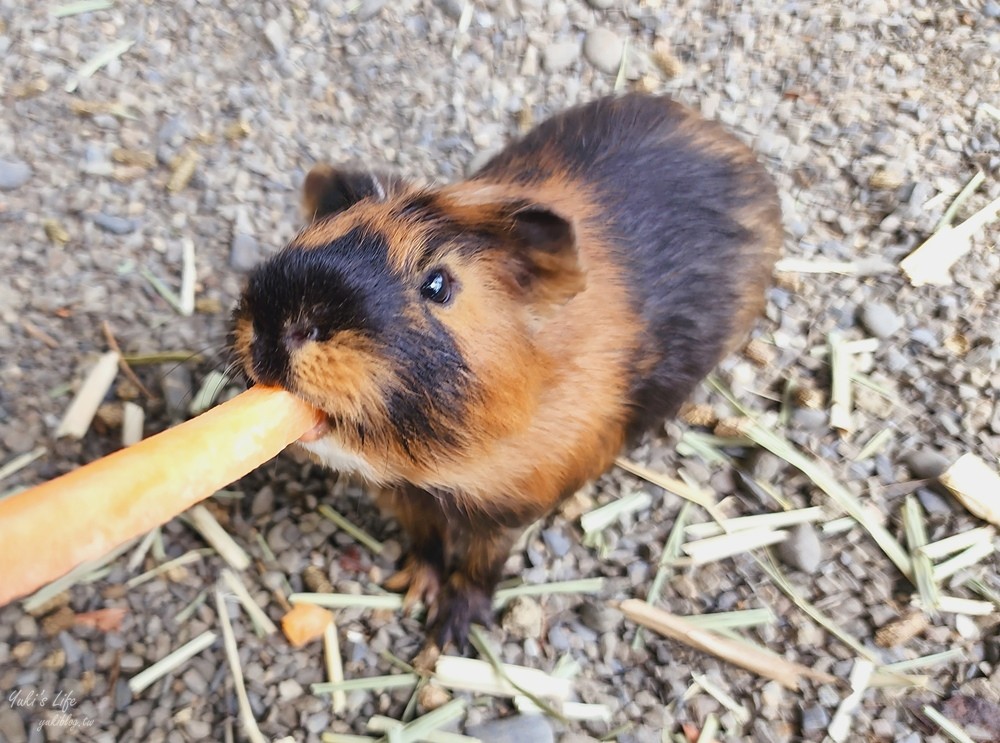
[809,419]
[802,550]
[559,55]
[933,502]
[814,718]
[523,618]
[244,252]
[601,4]
[926,464]
[515,729]
[557,541]
[115,225]
[880,319]
[600,617]
[177,389]
[603,49]
[369,9]
[13,174]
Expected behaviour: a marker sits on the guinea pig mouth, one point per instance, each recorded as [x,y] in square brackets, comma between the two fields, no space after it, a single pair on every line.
[317,432]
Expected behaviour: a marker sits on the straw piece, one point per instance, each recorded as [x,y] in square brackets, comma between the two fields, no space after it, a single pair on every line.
[722,697]
[420,728]
[817,616]
[334,667]
[233,658]
[709,729]
[45,594]
[79,7]
[356,532]
[133,420]
[348,738]
[188,276]
[958,542]
[104,57]
[478,676]
[168,294]
[711,549]
[840,725]
[926,661]
[768,665]
[965,559]
[213,533]
[80,413]
[21,461]
[778,520]
[188,611]
[957,605]
[389,601]
[804,265]
[262,623]
[369,683]
[140,552]
[700,497]
[948,727]
[382,724]
[185,559]
[601,518]
[211,387]
[671,551]
[949,215]
[874,445]
[916,537]
[812,469]
[975,485]
[841,395]
[171,662]
[731,619]
[584,585]
[931,262]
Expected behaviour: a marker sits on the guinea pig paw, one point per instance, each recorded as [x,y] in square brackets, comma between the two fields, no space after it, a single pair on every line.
[461,603]
[420,580]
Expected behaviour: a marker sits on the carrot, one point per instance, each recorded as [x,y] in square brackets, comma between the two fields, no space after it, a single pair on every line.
[305,623]
[48,530]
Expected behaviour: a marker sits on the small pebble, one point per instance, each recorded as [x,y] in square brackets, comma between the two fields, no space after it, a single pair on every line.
[559,55]
[115,225]
[523,618]
[244,252]
[556,541]
[13,174]
[601,4]
[926,464]
[880,319]
[802,550]
[603,49]
[600,617]
[515,729]
[814,718]
[933,502]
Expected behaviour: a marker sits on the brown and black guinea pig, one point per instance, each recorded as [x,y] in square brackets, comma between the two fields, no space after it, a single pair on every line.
[483,349]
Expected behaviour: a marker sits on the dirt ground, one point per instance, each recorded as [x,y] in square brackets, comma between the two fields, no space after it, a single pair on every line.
[198,121]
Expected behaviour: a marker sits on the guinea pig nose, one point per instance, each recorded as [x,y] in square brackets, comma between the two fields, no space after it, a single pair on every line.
[300,333]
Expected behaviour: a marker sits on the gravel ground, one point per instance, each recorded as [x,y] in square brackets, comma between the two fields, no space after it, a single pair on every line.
[871,114]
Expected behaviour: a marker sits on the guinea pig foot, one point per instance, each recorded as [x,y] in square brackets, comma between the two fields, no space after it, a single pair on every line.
[461,603]
[421,581]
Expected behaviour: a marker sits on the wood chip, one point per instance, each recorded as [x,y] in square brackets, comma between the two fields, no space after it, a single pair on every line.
[976,486]
[184,167]
[765,664]
[901,631]
[80,413]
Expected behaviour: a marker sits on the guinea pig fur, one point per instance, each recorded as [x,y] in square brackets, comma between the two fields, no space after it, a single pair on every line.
[483,349]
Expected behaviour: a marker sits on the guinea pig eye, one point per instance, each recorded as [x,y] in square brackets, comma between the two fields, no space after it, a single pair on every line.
[437,287]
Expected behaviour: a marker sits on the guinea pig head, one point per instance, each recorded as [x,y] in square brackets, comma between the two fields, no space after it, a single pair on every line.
[410,317]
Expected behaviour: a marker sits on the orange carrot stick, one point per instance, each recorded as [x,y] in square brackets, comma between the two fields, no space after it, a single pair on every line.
[48,530]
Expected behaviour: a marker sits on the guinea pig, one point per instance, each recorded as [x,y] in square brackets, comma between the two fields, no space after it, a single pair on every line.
[482,350]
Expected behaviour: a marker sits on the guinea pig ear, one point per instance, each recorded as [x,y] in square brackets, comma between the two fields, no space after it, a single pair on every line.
[329,191]
[545,256]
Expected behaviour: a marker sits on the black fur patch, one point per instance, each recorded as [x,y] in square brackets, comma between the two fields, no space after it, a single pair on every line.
[349,286]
